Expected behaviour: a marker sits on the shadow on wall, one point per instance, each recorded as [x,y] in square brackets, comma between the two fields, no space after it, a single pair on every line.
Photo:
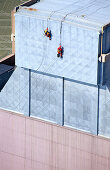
[105,66]
[5,75]
[107,75]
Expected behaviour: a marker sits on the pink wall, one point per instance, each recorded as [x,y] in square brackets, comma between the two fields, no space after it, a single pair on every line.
[30,144]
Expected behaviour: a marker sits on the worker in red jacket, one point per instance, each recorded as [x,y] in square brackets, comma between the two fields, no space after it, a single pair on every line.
[59,51]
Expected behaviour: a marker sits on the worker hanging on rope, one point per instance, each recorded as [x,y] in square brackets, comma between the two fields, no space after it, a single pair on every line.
[48,33]
[60,51]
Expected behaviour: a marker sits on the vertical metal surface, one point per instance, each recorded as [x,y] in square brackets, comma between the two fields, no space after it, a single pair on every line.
[15,94]
[46,97]
[80,44]
[81,106]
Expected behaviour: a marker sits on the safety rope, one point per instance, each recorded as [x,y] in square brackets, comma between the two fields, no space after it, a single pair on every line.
[63,19]
[61,27]
[51,14]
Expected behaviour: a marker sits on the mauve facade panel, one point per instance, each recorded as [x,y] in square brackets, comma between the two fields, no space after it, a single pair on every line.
[31,144]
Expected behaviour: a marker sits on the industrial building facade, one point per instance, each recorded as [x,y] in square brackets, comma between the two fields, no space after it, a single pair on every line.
[61,105]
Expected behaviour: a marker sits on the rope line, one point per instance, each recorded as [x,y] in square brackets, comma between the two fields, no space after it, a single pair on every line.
[63,19]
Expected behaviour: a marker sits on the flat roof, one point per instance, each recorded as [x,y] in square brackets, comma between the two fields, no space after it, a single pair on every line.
[93,10]
[93,14]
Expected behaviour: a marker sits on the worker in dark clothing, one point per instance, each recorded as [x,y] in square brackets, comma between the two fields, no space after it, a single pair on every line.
[47,33]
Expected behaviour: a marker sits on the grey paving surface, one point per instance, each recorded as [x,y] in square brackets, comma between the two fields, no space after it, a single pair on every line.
[6,6]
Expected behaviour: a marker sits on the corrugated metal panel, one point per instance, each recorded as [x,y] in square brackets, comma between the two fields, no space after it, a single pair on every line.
[15,94]
[39,53]
[47,97]
[80,106]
